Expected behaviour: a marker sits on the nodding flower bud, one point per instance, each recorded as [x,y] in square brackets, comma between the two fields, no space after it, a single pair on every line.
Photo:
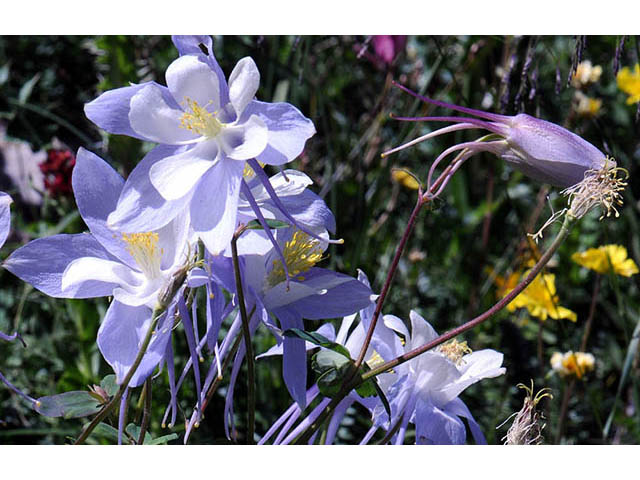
[549,153]
[541,150]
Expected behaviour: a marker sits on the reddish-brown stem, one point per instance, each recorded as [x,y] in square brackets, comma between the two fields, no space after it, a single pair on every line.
[544,259]
[388,280]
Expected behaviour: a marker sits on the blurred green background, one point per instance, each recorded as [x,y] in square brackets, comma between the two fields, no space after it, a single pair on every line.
[477,230]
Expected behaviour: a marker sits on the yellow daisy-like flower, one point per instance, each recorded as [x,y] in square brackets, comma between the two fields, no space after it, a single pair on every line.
[404,178]
[575,364]
[540,299]
[629,82]
[605,258]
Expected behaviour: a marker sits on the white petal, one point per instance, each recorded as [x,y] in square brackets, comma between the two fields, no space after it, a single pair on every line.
[244,141]
[421,331]
[396,324]
[279,296]
[147,295]
[188,77]
[151,117]
[287,183]
[91,268]
[243,84]
[176,175]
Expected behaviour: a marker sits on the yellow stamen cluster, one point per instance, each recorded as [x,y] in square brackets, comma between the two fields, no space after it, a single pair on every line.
[598,188]
[301,253]
[198,120]
[143,247]
[454,350]
[375,360]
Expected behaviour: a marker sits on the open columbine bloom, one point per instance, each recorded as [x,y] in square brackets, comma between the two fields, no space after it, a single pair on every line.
[135,268]
[208,130]
[426,393]
[542,150]
[311,292]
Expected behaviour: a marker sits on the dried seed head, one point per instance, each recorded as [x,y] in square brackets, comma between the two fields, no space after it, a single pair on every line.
[528,423]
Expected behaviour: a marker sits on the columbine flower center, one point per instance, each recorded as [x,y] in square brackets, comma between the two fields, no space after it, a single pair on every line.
[301,253]
[454,350]
[143,247]
[199,121]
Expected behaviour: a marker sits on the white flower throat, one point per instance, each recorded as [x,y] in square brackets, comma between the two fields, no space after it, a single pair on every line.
[200,121]
[143,247]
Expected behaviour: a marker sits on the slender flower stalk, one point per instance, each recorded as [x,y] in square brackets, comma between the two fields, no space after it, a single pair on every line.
[146,411]
[246,331]
[392,269]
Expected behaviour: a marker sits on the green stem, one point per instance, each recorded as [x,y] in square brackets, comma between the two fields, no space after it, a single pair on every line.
[626,368]
[146,411]
[102,414]
[251,393]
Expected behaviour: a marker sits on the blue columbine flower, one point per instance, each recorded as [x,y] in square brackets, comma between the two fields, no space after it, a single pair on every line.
[542,150]
[134,268]
[313,293]
[427,389]
[207,129]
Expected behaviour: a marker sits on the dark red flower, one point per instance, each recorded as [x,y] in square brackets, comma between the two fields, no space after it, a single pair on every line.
[57,170]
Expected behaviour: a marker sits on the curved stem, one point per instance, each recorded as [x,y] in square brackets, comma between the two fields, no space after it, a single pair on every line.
[102,414]
[506,300]
[390,274]
[146,411]
[251,382]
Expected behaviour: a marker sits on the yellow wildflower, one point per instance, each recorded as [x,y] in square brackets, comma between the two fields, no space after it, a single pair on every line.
[629,83]
[404,178]
[573,364]
[585,74]
[605,258]
[540,299]
[586,106]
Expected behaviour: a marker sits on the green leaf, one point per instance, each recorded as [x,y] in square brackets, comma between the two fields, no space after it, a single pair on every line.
[273,224]
[27,88]
[106,431]
[383,397]
[109,384]
[163,440]
[331,367]
[317,339]
[68,405]
[367,389]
